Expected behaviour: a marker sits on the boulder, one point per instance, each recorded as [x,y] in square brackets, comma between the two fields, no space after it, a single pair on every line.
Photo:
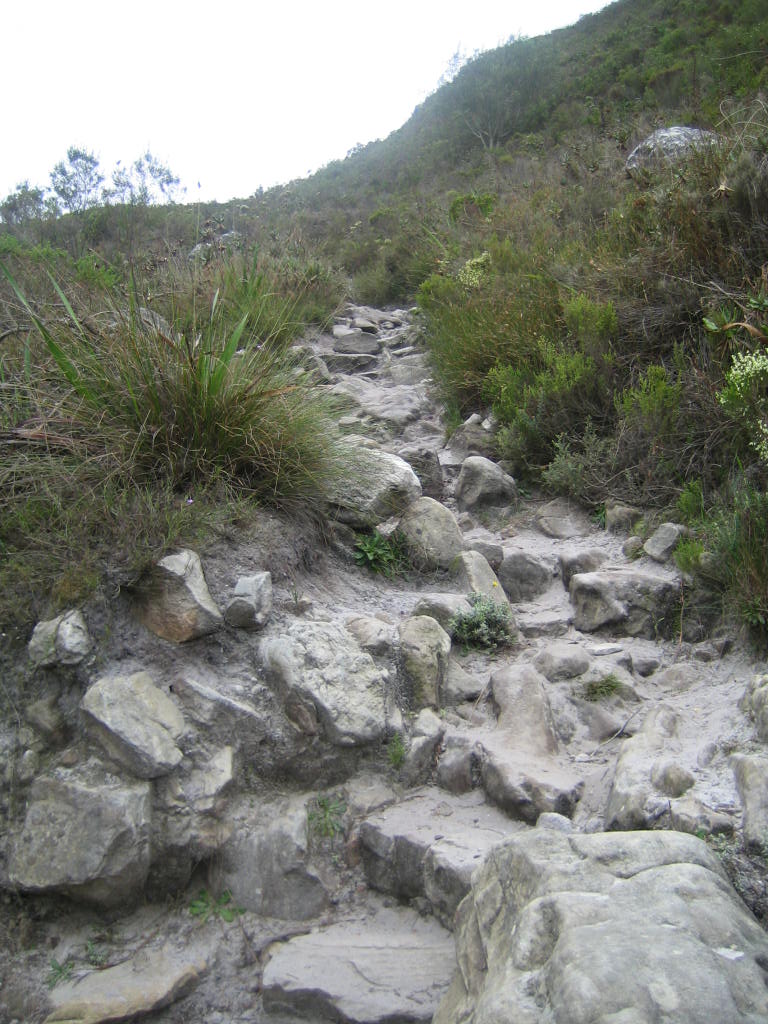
[136,723]
[620,518]
[477,577]
[423,460]
[460,685]
[380,485]
[751,772]
[139,985]
[663,541]
[578,560]
[633,602]
[357,343]
[266,862]
[473,437]
[85,835]
[60,641]
[755,704]
[635,801]
[393,407]
[374,635]
[390,965]
[560,519]
[425,647]
[251,604]
[173,600]
[562,661]
[627,927]
[442,607]
[667,146]
[327,683]
[483,483]
[524,576]
[431,534]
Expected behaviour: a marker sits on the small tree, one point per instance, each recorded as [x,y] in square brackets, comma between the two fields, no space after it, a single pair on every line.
[77,180]
[23,205]
[146,181]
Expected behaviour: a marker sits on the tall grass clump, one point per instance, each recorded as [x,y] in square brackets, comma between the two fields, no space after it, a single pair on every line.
[117,411]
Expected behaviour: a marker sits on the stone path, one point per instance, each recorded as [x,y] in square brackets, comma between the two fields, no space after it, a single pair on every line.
[371,893]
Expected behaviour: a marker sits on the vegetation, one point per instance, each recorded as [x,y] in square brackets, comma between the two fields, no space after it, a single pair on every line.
[205,906]
[396,751]
[601,689]
[616,327]
[487,626]
[380,554]
[325,817]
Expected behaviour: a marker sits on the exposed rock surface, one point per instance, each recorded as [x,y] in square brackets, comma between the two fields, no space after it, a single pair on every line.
[431,534]
[633,602]
[483,483]
[383,485]
[667,146]
[584,928]
[391,965]
[174,600]
[60,641]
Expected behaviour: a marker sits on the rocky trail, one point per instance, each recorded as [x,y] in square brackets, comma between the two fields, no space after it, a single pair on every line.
[269,786]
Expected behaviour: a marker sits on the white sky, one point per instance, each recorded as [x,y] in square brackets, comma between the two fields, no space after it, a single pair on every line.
[233,95]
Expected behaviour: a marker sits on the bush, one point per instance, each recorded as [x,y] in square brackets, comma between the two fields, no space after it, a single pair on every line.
[488,625]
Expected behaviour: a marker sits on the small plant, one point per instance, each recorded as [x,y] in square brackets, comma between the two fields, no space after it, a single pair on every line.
[601,689]
[488,625]
[688,554]
[95,956]
[396,751]
[380,554]
[59,973]
[325,817]
[206,905]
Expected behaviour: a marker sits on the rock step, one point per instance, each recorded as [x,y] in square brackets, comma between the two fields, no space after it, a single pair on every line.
[386,965]
[429,844]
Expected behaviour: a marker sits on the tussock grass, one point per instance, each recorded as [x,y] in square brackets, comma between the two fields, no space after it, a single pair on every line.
[120,435]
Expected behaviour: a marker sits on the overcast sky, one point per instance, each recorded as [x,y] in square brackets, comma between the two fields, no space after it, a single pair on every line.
[233,95]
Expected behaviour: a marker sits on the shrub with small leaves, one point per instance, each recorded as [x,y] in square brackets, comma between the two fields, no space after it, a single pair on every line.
[206,905]
[384,555]
[326,817]
[396,751]
[487,626]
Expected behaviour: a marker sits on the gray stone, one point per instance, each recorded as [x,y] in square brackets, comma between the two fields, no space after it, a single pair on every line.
[472,438]
[520,771]
[380,485]
[136,723]
[667,146]
[755,704]
[327,683]
[130,989]
[671,779]
[477,577]
[429,845]
[442,607]
[431,534]
[459,766]
[663,541]
[580,560]
[634,801]
[394,407]
[374,635]
[483,483]
[174,602]
[60,641]
[632,547]
[751,772]
[620,518]
[339,362]
[691,815]
[356,343]
[524,576]
[632,601]
[620,928]
[387,967]
[251,604]
[425,647]
[677,678]
[459,684]
[266,862]
[85,835]
[562,661]
[423,460]
[559,519]
[492,552]
[345,331]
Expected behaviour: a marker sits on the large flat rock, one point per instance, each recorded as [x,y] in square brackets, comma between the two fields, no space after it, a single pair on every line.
[388,966]
[128,990]
[619,928]
[429,845]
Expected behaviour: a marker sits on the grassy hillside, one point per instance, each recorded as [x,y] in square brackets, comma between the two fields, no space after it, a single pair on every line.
[617,328]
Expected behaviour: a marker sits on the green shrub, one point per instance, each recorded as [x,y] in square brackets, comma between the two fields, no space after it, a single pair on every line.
[688,554]
[601,689]
[385,555]
[396,751]
[488,625]
[738,539]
